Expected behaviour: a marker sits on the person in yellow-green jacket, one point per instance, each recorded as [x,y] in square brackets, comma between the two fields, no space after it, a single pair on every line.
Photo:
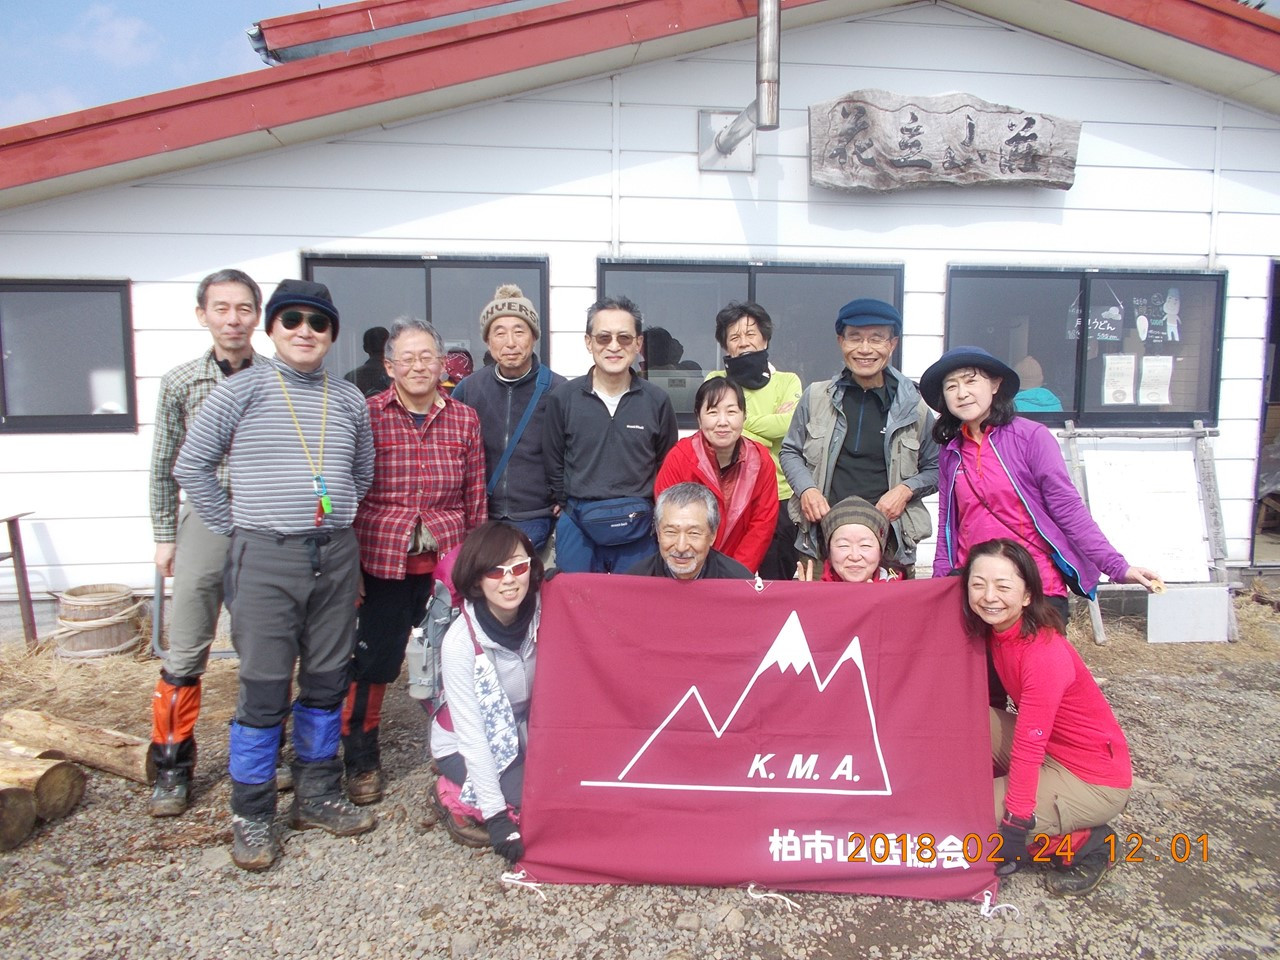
[743,331]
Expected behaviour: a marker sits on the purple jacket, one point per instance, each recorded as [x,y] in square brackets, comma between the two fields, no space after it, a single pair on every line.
[1031,457]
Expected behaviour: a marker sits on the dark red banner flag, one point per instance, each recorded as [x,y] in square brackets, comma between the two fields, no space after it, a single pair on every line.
[807,736]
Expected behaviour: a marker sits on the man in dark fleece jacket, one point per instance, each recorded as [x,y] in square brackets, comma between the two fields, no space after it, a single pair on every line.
[605,436]
[501,395]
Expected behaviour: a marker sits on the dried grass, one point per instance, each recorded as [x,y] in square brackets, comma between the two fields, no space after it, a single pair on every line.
[107,691]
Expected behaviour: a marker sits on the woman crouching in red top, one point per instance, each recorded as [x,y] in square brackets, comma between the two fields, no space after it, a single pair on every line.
[1067,761]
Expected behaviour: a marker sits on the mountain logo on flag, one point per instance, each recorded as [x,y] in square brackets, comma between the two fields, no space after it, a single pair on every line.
[777,737]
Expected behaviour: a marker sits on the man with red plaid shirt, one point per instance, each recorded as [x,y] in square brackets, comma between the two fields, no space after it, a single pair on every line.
[428,492]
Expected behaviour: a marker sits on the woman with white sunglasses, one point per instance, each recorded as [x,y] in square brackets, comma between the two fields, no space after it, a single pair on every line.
[487,661]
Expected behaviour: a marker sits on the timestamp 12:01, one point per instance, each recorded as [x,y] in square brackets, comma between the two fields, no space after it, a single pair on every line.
[1136,848]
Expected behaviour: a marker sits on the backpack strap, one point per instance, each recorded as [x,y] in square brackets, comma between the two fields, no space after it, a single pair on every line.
[475,644]
[540,384]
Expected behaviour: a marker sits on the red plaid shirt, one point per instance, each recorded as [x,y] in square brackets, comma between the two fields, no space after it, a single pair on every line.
[433,473]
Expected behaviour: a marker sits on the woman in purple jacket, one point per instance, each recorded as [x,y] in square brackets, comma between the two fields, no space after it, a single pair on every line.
[1002,476]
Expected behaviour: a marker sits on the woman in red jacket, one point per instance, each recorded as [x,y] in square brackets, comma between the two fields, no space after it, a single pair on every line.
[1066,759]
[738,471]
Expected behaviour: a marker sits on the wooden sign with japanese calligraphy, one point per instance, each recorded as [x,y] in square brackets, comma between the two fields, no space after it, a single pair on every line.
[877,141]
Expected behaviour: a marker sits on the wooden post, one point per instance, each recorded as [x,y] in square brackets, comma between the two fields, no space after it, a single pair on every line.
[1077,477]
[119,753]
[19,559]
[1213,522]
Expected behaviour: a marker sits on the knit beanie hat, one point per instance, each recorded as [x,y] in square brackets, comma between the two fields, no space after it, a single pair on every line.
[509,301]
[302,293]
[856,510]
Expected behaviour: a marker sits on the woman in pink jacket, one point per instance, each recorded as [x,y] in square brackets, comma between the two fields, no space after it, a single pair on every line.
[1063,761]
[740,472]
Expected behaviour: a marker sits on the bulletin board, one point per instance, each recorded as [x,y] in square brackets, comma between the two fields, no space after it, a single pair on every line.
[1148,505]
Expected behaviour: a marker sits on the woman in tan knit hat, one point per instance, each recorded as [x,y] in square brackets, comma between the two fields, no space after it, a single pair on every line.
[855,532]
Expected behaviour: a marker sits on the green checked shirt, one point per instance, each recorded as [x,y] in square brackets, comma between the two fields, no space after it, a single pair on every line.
[182,390]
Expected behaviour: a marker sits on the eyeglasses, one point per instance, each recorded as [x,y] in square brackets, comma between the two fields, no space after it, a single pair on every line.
[857,340]
[408,361]
[517,569]
[292,319]
[604,339]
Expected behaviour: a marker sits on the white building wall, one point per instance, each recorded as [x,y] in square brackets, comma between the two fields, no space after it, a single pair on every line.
[1168,178]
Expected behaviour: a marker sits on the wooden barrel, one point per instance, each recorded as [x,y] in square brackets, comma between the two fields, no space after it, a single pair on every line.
[97,621]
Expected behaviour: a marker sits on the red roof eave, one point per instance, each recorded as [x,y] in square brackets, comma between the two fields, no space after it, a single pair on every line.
[1224,26]
[365,76]
[345,80]
[363,16]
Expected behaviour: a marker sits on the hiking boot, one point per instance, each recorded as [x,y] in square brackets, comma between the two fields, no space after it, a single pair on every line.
[365,788]
[253,844]
[318,801]
[1087,868]
[461,829]
[171,794]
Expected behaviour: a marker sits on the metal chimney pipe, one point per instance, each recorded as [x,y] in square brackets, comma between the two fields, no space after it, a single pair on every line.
[767,55]
[761,113]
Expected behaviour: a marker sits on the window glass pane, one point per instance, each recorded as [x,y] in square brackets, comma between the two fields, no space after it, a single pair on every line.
[1152,343]
[64,353]
[804,305]
[679,308]
[1028,320]
[458,294]
[367,295]
[375,292]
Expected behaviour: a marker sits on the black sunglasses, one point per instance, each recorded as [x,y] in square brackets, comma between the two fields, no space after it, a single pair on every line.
[292,319]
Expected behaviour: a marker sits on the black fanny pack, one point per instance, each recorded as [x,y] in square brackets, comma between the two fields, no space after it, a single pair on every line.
[609,523]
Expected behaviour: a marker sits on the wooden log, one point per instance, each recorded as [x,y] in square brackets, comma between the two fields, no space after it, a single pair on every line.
[110,750]
[57,784]
[17,815]
[12,748]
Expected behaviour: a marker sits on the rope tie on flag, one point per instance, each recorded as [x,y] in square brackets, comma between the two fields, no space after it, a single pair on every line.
[767,894]
[990,909]
[521,879]
[759,584]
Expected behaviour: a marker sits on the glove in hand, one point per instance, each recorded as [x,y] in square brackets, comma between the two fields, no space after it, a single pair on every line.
[505,837]
[1014,831]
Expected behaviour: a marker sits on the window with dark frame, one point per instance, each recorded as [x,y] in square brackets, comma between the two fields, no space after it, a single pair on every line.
[450,292]
[679,301]
[66,357]
[1103,348]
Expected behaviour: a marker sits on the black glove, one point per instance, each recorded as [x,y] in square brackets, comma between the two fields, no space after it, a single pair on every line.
[1014,831]
[505,837]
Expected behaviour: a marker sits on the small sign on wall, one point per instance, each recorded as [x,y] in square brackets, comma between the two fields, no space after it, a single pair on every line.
[877,141]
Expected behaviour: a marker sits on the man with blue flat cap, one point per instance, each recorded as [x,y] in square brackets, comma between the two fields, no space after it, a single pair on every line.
[865,433]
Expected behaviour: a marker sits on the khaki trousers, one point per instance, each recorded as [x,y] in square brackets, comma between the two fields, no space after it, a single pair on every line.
[1064,802]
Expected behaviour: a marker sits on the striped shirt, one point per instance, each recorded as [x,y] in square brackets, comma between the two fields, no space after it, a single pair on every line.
[433,473]
[247,420]
[182,390]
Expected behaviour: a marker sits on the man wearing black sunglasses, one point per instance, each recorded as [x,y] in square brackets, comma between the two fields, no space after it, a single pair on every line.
[300,452]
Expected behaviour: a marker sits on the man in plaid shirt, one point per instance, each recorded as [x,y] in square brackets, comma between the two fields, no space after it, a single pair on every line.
[229,306]
[428,492]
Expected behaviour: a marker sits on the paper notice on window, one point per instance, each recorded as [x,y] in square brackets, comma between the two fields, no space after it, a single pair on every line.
[1153,389]
[1117,378]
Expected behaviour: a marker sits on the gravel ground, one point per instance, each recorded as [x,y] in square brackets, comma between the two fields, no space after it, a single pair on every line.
[108,881]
